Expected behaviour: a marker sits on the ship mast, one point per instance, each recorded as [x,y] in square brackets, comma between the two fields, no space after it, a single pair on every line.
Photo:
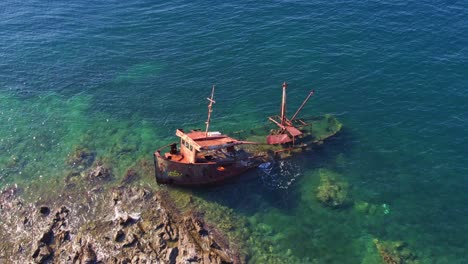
[283,104]
[302,105]
[210,105]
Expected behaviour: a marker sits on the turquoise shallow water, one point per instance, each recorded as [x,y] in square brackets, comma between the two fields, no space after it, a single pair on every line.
[119,77]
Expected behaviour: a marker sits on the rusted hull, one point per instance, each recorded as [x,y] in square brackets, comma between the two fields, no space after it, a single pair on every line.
[317,130]
[184,174]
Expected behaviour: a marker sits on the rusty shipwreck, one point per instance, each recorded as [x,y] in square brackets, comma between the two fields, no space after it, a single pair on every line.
[283,136]
[203,157]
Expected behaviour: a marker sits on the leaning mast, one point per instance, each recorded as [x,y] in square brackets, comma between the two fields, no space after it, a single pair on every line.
[283,105]
[210,105]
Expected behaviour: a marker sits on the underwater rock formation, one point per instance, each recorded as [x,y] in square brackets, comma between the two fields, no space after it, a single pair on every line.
[99,172]
[80,158]
[115,225]
[265,249]
[141,170]
[395,252]
[256,241]
[331,192]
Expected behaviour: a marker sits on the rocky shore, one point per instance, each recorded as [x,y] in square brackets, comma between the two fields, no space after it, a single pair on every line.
[99,214]
[94,224]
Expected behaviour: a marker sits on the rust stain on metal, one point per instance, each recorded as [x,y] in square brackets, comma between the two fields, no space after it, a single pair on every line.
[203,157]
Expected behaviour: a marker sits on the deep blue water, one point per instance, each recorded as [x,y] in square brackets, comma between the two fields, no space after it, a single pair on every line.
[115,74]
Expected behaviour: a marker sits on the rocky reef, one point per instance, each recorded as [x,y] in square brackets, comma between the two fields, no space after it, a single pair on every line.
[395,252]
[80,158]
[332,192]
[256,242]
[106,225]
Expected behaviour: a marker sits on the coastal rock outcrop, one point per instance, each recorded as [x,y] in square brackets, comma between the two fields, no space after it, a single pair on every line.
[116,225]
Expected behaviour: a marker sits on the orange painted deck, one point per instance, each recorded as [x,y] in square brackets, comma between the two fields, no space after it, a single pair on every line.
[209,141]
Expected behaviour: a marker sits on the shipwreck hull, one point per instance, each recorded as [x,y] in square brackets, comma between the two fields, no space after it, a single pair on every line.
[317,130]
[183,174]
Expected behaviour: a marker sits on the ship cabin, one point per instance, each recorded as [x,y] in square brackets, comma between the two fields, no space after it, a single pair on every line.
[203,147]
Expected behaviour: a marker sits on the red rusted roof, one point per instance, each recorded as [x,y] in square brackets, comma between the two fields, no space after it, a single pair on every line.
[201,135]
[204,141]
[293,131]
[201,141]
[278,139]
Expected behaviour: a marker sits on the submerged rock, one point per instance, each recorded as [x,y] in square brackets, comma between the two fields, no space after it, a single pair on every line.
[99,171]
[81,158]
[13,161]
[331,192]
[395,252]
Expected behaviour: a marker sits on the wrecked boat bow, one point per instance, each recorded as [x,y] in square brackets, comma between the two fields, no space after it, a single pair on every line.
[202,158]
